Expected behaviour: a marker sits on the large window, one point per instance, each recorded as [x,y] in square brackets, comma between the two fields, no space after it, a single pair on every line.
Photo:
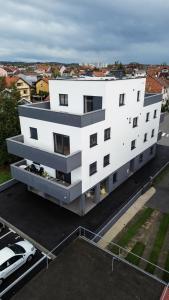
[133,144]
[63,99]
[93,140]
[121,99]
[92,103]
[135,122]
[63,177]
[106,160]
[93,168]
[61,144]
[33,133]
[107,134]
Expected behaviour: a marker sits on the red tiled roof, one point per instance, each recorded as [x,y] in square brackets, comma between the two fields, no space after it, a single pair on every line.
[10,81]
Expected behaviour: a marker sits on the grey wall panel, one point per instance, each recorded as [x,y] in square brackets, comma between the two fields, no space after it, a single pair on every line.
[62,193]
[152,99]
[53,160]
[61,117]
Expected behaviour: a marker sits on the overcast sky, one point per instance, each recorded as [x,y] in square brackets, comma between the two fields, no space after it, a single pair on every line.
[85,30]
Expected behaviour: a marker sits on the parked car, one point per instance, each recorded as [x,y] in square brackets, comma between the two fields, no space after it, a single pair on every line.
[14,256]
[2,226]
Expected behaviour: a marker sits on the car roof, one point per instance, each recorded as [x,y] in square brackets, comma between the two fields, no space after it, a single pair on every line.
[5,254]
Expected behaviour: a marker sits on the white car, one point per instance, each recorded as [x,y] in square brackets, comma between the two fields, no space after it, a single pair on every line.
[14,256]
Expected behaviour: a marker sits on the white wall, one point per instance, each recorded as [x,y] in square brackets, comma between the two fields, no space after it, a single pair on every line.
[122,132]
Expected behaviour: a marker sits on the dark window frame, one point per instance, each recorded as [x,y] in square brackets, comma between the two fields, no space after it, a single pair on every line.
[33,133]
[145,137]
[135,122]
[155,114]
[153,133]
[64,101]
[94,170]
[93,140]
[106,160]
[107,134]
[122,99]
[138,95]
[133,144]
[62,144]
[147,117]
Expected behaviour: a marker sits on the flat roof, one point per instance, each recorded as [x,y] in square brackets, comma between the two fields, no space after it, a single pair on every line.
[88,78]
[83,271]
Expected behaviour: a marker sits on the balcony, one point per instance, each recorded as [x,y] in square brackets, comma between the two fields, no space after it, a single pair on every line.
[48,185]
[53,160]
[42,111]
[150,99]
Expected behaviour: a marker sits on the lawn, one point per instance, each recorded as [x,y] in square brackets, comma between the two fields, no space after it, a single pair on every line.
[158,243]
[138,249]
[4,174]
[132,230]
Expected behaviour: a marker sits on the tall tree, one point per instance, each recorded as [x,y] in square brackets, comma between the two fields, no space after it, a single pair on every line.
[9,122]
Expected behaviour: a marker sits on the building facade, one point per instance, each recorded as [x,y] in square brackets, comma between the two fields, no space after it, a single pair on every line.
[90,137]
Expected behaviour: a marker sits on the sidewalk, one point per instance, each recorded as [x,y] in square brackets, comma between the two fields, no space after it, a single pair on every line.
[125,219]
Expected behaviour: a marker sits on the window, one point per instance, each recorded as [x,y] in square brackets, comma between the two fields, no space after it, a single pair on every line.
[92,103]
[63,177]
[152,133]
[121,99]
[63,99]
[141,158]
[93,168]
[145,137]
[135,122]
[151,150]
[33,133]
[147,116]
[106,134]
[106,160]
[19,84]
[155,113]
[115,177]
[14,259]
[133,144]
[93,140]
[138,96]
[25,92]
[61,144]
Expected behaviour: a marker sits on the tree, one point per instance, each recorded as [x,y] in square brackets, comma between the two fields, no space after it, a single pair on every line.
[9,122]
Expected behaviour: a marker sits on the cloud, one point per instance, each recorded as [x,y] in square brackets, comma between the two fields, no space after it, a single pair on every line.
[84,30]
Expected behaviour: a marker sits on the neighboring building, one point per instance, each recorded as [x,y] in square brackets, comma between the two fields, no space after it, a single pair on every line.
[42,85]
[3,72]
[22,86]
[158,85]
[91,136]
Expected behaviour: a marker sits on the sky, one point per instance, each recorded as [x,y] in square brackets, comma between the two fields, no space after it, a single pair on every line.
[85,31]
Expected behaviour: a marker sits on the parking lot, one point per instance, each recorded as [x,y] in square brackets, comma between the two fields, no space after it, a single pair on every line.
[16,280]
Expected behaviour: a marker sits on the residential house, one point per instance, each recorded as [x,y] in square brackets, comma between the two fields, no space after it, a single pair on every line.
[42,85]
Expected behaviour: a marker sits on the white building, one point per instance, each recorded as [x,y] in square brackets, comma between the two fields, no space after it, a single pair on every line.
[91,137]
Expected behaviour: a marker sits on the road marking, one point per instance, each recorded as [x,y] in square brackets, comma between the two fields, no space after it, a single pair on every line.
[167,135]
[22,276]
[163,134]
[5,234]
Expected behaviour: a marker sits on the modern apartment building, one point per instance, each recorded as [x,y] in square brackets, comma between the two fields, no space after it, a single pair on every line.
[91,136]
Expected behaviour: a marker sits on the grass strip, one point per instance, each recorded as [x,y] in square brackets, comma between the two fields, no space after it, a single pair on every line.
[132,230]
[166,275]
[138,249]
[4,175]
[158,243]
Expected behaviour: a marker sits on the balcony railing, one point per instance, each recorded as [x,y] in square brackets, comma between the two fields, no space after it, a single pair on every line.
[42,111]
[53,160]
[150,99]
[48,185]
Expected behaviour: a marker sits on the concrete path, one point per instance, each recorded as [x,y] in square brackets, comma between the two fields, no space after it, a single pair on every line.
[125,219]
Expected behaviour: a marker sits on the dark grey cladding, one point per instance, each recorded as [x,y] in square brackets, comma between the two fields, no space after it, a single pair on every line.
[63,193]
[41,111]
[150,99]
[53,160]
